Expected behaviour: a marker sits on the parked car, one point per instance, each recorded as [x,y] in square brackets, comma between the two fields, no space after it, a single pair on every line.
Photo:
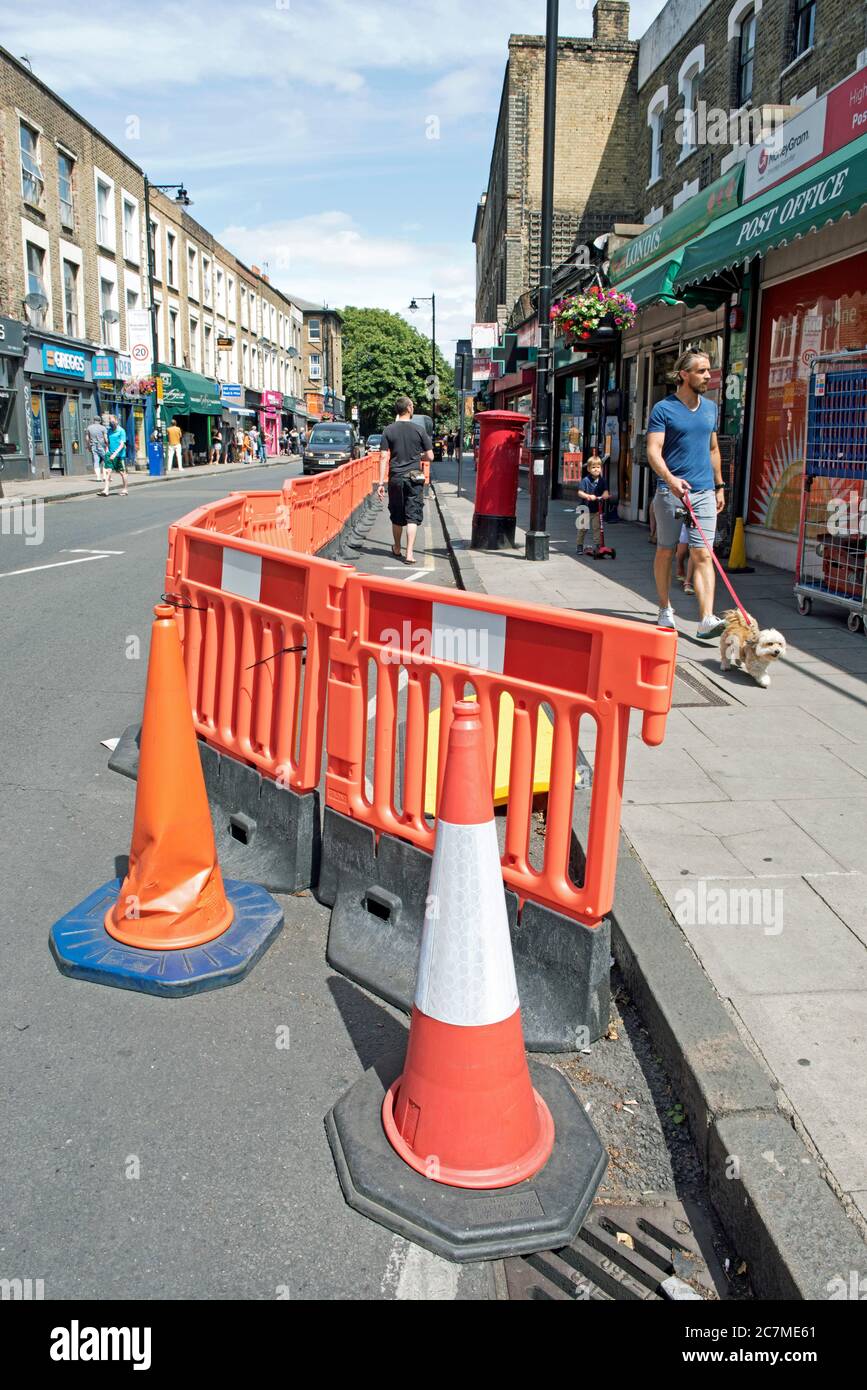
[329,444]
[374,443]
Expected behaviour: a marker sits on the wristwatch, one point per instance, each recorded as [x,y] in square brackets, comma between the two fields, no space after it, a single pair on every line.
[719,487]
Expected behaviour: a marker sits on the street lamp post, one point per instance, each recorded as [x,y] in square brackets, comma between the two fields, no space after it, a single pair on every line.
[536,545]
[183,199]
[413,307]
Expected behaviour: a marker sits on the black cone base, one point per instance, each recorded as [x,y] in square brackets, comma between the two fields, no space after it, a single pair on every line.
[538,1214]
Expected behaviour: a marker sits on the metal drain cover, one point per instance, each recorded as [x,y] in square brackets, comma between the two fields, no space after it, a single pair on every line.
[691,689]
[625,1253]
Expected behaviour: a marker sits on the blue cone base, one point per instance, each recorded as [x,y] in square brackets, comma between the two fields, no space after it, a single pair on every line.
[83,948]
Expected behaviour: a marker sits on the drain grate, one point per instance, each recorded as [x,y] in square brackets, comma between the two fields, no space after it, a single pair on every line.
[688,686]
[657,1242]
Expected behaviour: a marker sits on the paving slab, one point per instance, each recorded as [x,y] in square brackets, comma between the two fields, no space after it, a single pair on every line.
[814,1043]
[729,817]
[780,850]
[693,856]
[837,823]
[846,894]
[758,937]
[759,772]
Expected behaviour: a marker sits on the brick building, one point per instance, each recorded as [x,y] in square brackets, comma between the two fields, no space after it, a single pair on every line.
[322,353]
[71,262]
[594,183]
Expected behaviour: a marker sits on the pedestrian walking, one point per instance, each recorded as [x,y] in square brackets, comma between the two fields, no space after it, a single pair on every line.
[115,461]
[302,439]
[403,447]
[217,446]
[592,492]
[253,436]
[683,451]
[293,440]
[96,437]
[174,454]
[284,440]
[260,443]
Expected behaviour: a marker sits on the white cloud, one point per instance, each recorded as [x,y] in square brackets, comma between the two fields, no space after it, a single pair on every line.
[328,256]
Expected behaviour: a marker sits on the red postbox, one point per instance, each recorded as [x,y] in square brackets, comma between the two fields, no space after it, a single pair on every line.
[501,432]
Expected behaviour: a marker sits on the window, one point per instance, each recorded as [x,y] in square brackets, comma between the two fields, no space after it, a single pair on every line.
[206,280]
[208,337]
[70,299]
[315,366]
[314,330]
[192,272]
[656,109]
[221,290]
[130,231]
[104,213]
[173,337]
[132,300]
[746,58]
[254,366]
[687,84]
[244,319]
[156,249]
[230,295]
[805,26]
[171,239]
[245,358]
[65,166]
[194,344]
[35,270]
[108,315]
[252,312]
[32,182]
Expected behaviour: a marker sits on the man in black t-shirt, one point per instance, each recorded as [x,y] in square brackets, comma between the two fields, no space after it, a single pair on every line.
[404,444]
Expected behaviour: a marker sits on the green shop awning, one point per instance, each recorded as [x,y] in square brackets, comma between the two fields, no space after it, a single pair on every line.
[654,284]
[187,393]
[835,187]
[670,234]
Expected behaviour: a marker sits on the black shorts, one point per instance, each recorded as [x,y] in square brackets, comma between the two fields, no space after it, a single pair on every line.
[405,501]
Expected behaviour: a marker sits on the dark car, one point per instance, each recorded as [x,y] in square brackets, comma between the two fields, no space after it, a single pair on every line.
[374,443]
[329,444]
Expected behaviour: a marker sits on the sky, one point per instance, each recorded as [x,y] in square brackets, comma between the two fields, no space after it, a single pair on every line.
[342,145]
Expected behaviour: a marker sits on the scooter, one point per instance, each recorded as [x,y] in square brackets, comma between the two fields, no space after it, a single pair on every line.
[603,551]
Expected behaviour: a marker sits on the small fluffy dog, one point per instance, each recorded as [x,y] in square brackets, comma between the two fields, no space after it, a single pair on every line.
[744,646]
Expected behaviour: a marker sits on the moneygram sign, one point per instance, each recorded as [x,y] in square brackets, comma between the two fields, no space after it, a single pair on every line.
[793,145]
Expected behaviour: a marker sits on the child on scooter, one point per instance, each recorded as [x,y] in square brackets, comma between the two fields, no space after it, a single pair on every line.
[591,492]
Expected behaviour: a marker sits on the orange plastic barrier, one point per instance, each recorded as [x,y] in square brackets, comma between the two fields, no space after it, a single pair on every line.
[256,623]
[580,666]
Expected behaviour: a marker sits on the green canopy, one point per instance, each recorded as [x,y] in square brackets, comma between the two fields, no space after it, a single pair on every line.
[671,233]
[654,284]
[187,393]
[834,187]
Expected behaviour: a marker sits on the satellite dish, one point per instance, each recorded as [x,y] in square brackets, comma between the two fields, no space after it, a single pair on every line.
[110,316]
[37,302]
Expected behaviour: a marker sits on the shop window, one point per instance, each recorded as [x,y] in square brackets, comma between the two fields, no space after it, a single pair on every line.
[32,181]
[65,168]
[804,27]
[70,299]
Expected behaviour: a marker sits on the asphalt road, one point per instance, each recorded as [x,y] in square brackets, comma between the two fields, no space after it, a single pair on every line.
[236,1196]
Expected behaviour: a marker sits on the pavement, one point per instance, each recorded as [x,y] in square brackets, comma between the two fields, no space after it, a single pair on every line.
[68,486]
[751,822]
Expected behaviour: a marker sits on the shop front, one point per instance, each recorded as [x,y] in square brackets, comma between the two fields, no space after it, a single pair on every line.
[193,401]
[14,450]
[113,372]
[271,420]
[805,242]
[62,403]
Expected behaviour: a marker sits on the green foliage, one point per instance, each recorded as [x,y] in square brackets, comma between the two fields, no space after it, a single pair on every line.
[385,357]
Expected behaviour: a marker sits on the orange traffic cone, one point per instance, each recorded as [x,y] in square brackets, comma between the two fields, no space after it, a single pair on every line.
[173,895]
[172,926]
[464,1111]
[427,1149]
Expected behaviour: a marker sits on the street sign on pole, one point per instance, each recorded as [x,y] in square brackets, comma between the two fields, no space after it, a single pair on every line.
[140,345]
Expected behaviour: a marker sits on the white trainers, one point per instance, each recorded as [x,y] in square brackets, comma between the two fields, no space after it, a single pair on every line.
[666,617]
[709,628]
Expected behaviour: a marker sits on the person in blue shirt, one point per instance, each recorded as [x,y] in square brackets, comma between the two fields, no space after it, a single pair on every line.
[683,451]
[115,459]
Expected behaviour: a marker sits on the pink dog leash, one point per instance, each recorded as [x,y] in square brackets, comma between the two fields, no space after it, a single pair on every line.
[746,616]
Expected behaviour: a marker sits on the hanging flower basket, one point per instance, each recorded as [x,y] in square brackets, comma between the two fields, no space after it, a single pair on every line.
[581,316]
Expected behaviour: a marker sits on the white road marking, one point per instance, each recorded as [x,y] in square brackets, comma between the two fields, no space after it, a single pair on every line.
[415,1275]
[7,574]
[417,575]
[110,743]
[68,550]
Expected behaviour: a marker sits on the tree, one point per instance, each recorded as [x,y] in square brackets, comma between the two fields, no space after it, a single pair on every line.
[385,357]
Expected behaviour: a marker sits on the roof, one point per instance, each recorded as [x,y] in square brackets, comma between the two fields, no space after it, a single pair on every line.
[307,306]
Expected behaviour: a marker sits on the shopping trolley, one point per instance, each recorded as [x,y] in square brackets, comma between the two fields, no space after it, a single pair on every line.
[832,534]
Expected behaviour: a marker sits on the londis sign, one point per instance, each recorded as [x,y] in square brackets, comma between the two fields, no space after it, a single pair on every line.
[684,223]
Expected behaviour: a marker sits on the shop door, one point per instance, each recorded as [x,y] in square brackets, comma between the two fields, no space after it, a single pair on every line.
[54,432]
[74,461]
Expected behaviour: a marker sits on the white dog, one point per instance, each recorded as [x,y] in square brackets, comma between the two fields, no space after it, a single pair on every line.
[744,646]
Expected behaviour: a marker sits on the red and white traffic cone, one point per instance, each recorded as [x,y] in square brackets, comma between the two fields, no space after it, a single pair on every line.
[464,1111]
[428,1150]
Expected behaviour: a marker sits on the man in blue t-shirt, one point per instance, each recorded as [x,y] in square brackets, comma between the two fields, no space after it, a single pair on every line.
[683,451]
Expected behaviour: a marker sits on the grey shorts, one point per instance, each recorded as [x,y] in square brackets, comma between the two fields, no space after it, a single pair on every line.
[668,525]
